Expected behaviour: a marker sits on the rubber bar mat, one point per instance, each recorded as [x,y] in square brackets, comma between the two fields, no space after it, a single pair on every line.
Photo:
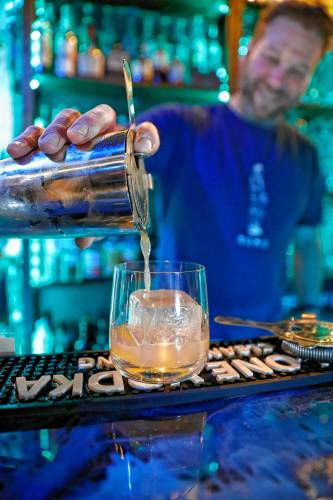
[40,388]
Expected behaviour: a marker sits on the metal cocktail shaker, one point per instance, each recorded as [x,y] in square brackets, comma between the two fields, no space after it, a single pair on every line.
[94,193]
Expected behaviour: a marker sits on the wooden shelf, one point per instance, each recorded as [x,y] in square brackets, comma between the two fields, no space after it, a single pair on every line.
[85,93]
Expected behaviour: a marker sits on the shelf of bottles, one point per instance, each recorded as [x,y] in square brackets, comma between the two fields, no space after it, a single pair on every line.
[88,41]
[61,262]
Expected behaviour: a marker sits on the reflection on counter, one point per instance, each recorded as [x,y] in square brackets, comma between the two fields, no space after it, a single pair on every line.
[268,446]
[136,459]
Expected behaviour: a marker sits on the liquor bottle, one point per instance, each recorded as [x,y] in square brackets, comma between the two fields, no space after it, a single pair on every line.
[92,263]
[214,54]
[199,50]
[91,61]
[176,72]
[182,51]
[115,61]
[42,336]
[42,38]
[65,44]
[142,67]
[130,39]
[108,34]
[162,55]
[148,46]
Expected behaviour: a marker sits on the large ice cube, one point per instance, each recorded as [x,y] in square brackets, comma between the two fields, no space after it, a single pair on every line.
[164,316]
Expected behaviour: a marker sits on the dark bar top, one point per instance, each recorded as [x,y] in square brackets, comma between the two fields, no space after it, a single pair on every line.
[275,445]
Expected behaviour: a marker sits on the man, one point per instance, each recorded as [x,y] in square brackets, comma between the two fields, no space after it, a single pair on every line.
[234,182]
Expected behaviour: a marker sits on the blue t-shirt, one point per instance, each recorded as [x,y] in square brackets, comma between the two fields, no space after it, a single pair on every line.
[229,195]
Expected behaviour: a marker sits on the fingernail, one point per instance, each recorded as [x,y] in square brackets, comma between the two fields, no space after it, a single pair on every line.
[79,129]
[144,145]
[18,144]
[51,138]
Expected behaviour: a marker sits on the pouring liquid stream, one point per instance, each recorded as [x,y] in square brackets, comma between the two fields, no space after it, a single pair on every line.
[145,249]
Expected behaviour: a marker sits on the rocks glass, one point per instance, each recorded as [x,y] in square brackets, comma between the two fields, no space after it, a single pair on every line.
[159,335]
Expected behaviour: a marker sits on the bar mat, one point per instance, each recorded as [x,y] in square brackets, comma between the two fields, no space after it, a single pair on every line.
[39,389]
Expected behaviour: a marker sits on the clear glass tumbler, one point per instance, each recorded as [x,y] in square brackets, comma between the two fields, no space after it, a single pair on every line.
[159,335]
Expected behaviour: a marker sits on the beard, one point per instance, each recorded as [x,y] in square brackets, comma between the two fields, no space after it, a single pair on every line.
[260,102]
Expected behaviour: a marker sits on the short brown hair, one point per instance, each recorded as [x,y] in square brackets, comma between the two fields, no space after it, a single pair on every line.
[310,14]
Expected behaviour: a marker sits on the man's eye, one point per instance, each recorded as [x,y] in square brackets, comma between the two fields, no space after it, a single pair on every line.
[298,73]
[272,59]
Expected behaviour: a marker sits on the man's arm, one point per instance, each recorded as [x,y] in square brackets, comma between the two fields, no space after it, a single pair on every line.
[308,266]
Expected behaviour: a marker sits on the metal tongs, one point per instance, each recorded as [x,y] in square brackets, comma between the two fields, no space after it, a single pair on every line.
[306,331]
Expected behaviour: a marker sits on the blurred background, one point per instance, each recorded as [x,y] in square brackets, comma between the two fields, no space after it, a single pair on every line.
[68,54]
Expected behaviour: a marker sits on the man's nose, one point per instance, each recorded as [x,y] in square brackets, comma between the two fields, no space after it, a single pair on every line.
[276,78]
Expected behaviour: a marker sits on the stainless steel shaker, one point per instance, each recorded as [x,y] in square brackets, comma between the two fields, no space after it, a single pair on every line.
[92,193]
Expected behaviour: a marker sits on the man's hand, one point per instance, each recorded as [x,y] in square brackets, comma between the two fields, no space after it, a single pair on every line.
[69,126]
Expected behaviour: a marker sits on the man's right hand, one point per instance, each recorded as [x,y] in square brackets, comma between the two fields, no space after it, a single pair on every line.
[69,126]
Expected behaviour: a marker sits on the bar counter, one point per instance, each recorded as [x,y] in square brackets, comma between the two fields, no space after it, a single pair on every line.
[274,445]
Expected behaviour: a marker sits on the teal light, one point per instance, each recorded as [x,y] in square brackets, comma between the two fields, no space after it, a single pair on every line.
[224,96]
[35,35]
[35,274]
[35,260]
[17,316]
[49,455]
[243,50]
[13,247]
[221,73]
[50,246]
[35,246]
[213,467]
[9,6]
[223,8]
[39,122]
[5,98]
[34,84]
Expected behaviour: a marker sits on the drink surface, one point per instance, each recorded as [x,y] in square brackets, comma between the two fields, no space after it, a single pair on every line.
[160,362]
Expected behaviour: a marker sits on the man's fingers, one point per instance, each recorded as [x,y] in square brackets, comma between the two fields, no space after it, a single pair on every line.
[25,142]
[147,139]
[98,120]
[55,135]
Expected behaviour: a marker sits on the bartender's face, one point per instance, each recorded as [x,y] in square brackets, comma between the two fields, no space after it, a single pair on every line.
[278,68]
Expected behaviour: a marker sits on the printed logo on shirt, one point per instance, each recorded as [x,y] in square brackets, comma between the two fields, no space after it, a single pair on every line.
[258,202]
